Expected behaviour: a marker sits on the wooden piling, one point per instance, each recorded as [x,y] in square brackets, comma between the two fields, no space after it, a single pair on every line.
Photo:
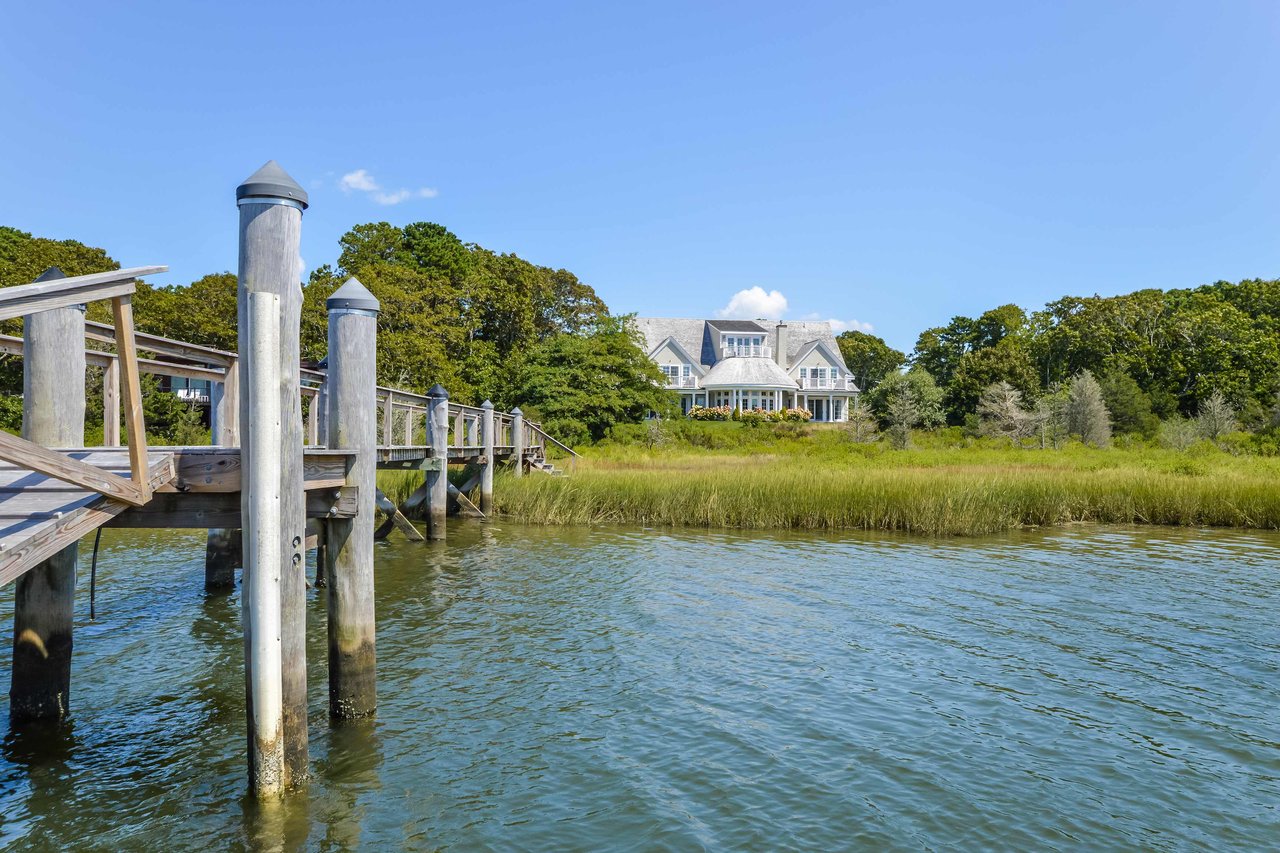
[486,472]
[517,441]
[438,473]
[223,549]
[53,363]
[353,426]
[262,520]
[271,205]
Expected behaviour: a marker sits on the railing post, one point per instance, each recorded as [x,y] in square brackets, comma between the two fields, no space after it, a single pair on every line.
[353,330]
[223,547]
[408,426]
[388,419]
[111,403]
[271,205]
[262,518]
[322,411]
[517,441]
[52,415]
[486,473]
[438,474]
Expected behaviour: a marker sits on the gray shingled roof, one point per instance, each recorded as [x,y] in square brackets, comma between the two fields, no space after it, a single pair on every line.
[701,341]
[748,372]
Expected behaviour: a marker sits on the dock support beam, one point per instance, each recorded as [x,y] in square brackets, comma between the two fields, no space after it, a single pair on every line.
[271,205]
[261,502]
[52,415]
[352,405]
[486,472]
[517,440]
[438,473]
[223,547]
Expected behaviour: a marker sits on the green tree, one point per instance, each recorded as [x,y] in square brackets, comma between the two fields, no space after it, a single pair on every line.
[868,357]
[907,400]
[1004,362]
[583,384]
[1129,405]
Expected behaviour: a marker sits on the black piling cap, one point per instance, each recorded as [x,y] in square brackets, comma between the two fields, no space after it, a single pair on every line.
[438,392]
[353,294]
[271,182]
[51,274]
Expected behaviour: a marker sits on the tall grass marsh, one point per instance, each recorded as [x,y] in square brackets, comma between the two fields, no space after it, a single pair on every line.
[816,478]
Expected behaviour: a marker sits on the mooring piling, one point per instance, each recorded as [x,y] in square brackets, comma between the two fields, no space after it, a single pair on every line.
[53,369]
[271,205]
[352,407]
[438,471]
[517,441]
[262,504]
[223,545]
[486,471]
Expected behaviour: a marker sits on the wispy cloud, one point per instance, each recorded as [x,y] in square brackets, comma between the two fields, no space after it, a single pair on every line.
[839,326]
[755,302]
[361,181]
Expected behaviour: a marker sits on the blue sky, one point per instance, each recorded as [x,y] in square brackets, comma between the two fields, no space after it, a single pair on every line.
[887,164]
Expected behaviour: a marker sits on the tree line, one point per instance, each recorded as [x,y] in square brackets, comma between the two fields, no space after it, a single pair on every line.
[1174,365]
[484,324]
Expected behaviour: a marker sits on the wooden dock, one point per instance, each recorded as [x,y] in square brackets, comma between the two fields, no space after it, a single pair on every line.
[287,481]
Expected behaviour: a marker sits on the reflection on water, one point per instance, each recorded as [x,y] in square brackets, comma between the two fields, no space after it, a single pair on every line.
[577,689]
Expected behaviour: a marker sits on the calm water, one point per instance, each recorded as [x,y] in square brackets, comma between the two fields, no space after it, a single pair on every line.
[638,690]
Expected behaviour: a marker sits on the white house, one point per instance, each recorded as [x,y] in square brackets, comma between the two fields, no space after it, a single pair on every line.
[752,364]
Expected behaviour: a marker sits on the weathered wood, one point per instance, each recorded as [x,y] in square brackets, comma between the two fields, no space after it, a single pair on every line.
[517,442]
[270,262]
[408,425]
[111,403]
[465,506]
[131,394]
[52,413]
[486,472]
[222,510]
[262,523]
[164,346]
[393,514]
[438,478]
[20,452]
[224,547]
[352,426]
[388,419]
[52,294]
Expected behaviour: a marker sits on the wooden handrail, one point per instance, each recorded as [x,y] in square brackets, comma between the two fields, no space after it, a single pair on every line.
[104,333]
[24,299]
[118,286]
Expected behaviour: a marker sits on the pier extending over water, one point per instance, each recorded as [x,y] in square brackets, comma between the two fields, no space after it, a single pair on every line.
[273,484]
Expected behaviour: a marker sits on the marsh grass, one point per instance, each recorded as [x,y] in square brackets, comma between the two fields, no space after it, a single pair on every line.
[823,481]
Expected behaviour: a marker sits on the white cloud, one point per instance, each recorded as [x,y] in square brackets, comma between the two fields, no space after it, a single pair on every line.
[361,181]
[838,326]
[755,303]
[358,180]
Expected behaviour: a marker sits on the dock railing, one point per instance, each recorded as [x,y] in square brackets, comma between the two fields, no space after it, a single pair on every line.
[118,287]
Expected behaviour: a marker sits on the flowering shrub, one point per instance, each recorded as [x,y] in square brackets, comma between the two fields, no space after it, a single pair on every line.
[711,413]
[749,416]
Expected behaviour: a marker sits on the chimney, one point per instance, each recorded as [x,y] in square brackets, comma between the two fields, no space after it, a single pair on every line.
[780,349]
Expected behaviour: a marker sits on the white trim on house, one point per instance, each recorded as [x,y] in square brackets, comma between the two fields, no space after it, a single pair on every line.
[763,371]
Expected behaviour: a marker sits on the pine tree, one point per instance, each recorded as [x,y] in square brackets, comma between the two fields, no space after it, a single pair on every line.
[1087,415]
